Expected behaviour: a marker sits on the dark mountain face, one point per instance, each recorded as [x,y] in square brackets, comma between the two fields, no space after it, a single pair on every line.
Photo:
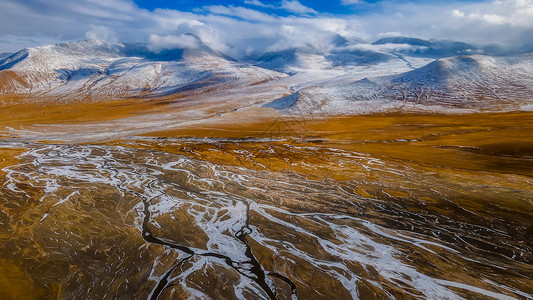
[402,40]
[451,48]
[4,55]
[13,59]
[337,57]
[340,41]
[429,48]
[347,57]
[346,53]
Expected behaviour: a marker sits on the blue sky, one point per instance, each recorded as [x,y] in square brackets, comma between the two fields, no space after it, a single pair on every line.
[335,7]
[332,7]
[241,27]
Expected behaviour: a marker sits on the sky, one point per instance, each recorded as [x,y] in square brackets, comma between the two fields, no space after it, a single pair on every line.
[243,27]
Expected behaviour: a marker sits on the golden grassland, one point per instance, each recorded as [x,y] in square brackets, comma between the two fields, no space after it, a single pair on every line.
[484,144]
[494,144]
[19,111]
[459,155]
[474,160]
[8,157]
[499,142]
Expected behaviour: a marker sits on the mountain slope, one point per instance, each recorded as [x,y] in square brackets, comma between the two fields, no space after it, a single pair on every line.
[293,60]
[464,82]
[101,70]
[342,80]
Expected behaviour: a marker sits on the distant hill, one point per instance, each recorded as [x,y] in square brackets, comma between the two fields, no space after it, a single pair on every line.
[346,78]
[470,82]
[99,70]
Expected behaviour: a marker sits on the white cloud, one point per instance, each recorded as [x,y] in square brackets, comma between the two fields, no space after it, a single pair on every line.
[185,41]
[391,34]
[350,2]
[316,32]
[385,47]
[237,31]
[257,3]
[206,33]
[457,13]
[295,6]
[508,23]
[101,33]
[241,12]
[490,18]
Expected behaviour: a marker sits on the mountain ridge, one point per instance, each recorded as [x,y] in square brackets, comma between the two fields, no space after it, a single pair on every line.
[459,82]
[102,70]
[334,81]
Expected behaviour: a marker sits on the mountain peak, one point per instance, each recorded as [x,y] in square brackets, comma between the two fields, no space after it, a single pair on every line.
[99,69]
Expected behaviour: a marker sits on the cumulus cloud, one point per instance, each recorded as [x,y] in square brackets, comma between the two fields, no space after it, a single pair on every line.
[185,41]
[101,33]
[513,12]
[350,2]
[258,3]
[296,7]
[317,33]
[239,31]
[457,13]
[507,23]
[240,12]
[292,6]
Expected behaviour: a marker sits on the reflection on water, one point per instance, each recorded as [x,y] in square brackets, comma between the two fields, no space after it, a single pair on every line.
[103,222]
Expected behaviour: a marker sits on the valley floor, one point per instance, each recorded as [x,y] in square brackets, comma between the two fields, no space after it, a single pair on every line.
[147,200]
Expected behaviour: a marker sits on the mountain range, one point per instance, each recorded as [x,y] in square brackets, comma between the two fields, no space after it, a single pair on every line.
[99,70]
[347,77]
[475,82]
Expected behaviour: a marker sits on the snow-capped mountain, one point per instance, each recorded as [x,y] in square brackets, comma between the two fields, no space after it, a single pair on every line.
[342,53]
[349,77]
[473,81]
[99,70]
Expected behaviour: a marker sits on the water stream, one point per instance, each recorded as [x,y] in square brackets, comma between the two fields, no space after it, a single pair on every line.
[114,222]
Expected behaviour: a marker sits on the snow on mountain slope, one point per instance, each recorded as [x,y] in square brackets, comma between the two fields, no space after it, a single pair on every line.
[294,60]
[460,82]
[346,79]
[102,70]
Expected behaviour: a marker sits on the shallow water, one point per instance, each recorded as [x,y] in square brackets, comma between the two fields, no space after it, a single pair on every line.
[105,222]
